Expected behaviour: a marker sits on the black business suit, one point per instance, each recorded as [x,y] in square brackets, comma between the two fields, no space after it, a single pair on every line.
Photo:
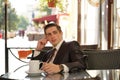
[69,54]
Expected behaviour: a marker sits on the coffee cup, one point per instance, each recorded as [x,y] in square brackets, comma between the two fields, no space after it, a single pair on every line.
[35,66]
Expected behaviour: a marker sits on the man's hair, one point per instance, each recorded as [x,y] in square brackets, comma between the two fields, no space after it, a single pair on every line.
[51,25]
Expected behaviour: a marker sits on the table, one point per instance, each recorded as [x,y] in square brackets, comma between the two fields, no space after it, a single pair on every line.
[112,74]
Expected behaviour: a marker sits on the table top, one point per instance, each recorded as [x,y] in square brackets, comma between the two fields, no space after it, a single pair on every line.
[21,74]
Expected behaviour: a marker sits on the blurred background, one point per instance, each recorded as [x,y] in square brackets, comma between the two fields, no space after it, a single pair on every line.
[90,22]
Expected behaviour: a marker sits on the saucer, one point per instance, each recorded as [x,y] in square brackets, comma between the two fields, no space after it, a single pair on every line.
[32,74]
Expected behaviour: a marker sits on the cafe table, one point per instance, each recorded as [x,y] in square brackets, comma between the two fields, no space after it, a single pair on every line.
[20,74]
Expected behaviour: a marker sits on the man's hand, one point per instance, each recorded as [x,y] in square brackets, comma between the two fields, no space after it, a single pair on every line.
[51,68]
[41,44]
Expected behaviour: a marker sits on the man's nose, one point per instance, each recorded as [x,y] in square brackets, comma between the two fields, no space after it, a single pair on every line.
[52,35]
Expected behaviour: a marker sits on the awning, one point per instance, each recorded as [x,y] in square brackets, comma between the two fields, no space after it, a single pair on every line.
[47,18]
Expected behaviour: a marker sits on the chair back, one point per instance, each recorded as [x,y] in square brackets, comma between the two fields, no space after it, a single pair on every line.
[103,59]
[89,47]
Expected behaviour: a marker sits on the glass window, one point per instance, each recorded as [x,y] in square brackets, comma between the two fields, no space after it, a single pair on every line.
[94,23]
[116,24]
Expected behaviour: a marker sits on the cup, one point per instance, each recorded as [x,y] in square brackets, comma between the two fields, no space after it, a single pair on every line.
[35,66]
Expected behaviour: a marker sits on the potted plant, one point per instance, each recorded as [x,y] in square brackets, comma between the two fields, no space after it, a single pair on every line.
[55,3]
[52,3]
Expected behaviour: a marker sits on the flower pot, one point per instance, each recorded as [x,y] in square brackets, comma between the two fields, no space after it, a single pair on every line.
[51,3]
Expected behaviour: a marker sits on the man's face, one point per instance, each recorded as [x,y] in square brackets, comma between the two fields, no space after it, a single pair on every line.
[53,35]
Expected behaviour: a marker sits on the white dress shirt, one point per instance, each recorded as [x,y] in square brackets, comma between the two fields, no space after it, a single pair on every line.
[66,69]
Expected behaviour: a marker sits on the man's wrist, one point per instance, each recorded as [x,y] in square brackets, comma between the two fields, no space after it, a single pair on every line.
[37,49]
[61,68]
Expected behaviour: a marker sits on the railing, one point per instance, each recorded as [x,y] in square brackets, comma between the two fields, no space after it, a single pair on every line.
[26,52]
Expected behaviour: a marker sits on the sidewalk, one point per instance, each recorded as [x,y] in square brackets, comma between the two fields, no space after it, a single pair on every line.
[2,56]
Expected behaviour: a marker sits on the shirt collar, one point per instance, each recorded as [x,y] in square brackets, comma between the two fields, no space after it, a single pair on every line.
[59,44]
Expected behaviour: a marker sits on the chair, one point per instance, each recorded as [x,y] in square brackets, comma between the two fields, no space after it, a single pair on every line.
[103,59]
[89,47]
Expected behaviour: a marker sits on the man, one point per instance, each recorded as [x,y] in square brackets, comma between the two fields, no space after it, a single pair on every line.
[67,57]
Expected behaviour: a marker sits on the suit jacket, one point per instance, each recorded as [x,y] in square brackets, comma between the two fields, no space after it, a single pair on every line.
[69,54]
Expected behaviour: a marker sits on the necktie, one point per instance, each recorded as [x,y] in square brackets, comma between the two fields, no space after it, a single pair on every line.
[51,54]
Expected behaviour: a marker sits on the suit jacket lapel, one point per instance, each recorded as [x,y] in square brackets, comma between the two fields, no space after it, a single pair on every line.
[61,52]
